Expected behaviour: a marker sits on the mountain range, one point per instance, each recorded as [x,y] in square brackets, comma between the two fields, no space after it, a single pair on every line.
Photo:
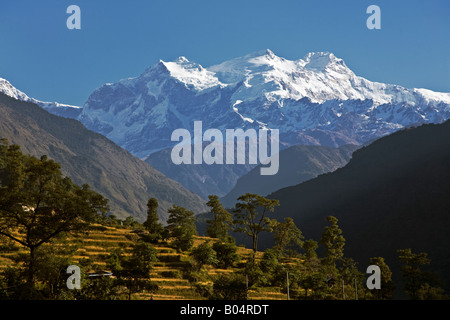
[88,157]
[315,100]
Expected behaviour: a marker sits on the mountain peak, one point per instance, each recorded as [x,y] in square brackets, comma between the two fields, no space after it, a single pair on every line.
[321,60]
[267,52]
[318,55]
[180,62]
[7,88]
[192,74]
[60,109]
[181,59]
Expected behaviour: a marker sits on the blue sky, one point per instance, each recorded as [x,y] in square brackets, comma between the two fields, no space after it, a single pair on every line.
[120,39]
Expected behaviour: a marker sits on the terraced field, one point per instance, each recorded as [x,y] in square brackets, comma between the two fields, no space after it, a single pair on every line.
[167,273]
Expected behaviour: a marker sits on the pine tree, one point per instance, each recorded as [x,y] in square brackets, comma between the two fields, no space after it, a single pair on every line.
[417,282]
[387,285]
[181,225]
[310,246]
[287,235]
[219,226]
[333,241]
[152,224]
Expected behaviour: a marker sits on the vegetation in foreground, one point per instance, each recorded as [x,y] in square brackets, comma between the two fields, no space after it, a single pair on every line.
[48,223]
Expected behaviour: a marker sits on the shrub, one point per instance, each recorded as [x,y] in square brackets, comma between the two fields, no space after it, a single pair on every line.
[230,287]
[204,254]
[226,254]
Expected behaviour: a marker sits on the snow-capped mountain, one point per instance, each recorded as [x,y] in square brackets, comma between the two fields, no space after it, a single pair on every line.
[314,100]
[64,110]
[319,76]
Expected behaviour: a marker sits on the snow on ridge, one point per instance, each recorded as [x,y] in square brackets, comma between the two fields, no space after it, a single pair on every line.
[319,76]
[258,90]
[192,74]
[7,88]
[434,96]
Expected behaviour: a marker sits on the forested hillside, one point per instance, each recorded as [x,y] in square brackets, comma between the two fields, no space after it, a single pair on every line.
[88,157]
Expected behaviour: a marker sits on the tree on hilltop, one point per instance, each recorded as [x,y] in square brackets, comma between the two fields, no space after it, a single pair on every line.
[218,227]
[152,224]
[250,216]
[181,226]
[333,241]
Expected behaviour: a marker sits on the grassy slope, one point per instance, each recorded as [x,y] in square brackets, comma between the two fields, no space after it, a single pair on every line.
[167,272]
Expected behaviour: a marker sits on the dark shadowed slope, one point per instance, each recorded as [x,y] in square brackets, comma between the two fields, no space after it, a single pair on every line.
[393,194]
[297,164]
